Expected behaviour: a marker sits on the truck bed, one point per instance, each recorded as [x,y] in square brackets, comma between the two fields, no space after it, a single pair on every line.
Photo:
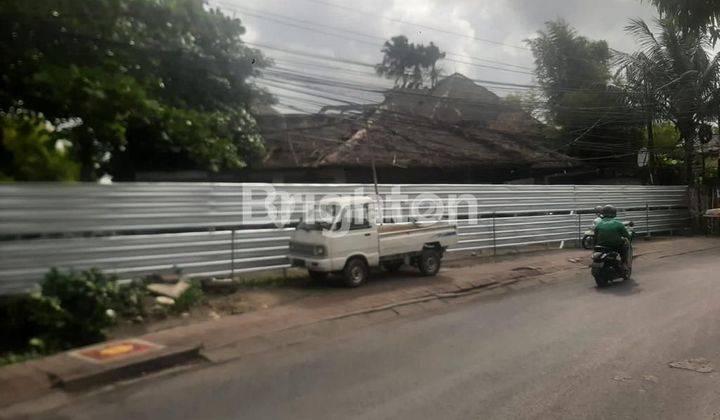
[398,239]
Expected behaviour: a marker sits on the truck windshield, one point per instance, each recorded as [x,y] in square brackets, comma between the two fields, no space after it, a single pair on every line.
[321,217]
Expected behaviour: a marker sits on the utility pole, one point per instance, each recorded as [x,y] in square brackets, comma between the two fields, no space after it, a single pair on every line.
[381,215]
[649,127]
[372,157]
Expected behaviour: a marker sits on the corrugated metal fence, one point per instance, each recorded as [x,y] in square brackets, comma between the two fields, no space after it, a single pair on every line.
[217,229]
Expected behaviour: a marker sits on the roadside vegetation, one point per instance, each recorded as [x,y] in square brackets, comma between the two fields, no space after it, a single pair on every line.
[602,105]
[77,308]
[74,309]
[136,84]
[133,85]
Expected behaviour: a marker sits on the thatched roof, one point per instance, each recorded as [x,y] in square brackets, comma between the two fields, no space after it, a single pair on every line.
[456,124]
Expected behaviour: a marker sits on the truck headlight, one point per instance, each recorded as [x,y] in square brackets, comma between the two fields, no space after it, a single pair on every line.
[319,250]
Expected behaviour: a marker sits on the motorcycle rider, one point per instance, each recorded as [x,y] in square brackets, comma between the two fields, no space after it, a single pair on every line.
[612,233]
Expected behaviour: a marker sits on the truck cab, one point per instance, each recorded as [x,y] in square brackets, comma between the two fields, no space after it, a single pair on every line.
[345,235]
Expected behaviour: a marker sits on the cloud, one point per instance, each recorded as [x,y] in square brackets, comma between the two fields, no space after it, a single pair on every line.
[464,25]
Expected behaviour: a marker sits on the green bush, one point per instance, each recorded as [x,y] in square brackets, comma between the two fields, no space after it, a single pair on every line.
[191,297]
[27,322]
[71,310]
[85,299]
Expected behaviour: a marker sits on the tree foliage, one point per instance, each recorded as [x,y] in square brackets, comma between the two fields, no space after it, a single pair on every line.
[529,101]
[593,116]
[409,65]
[692,15]
[685,79]
[33,149]
[156,84]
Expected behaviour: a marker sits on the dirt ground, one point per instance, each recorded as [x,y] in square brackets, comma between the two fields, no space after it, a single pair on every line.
[292,286]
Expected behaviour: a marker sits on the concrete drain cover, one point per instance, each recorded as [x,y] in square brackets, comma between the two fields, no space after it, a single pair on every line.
[116,350]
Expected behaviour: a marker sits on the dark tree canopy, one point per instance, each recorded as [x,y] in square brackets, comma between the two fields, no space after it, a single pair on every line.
[410,65]
[566,61]
[157,84]
[681,79]
[594,118]
[692,15]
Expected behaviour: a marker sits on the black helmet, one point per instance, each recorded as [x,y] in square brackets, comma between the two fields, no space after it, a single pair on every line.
[598,210]
[608,211]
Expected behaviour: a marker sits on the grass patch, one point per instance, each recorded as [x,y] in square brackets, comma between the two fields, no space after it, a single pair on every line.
[293,278]
[190,298]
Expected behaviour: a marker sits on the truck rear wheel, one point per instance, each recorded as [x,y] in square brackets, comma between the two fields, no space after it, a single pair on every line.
[355,272]
[429,263]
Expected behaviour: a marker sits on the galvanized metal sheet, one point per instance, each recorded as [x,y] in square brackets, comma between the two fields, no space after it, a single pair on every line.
[137,229]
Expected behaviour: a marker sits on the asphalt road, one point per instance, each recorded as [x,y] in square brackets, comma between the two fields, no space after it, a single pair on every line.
[559,350]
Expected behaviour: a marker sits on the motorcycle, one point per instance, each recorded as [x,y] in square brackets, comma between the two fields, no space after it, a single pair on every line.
[607,263]
[588,239]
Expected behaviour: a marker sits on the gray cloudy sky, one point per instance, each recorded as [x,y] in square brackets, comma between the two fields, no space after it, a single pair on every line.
[279,24]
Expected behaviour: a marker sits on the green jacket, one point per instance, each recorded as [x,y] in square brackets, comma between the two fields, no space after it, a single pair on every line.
[610,233]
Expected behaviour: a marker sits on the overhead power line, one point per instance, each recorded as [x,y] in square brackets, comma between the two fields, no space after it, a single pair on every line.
[492,83]
[341,33]
[362,34]
[313,81]
[418,25]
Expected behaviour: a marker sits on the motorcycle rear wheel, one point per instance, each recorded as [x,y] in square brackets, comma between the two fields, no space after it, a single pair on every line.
[600,279]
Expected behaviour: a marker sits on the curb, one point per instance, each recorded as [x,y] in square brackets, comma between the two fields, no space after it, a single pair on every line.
[426,298]
[461,292]
[132,369]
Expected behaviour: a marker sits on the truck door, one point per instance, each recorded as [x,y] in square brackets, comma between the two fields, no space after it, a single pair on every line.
[361,236]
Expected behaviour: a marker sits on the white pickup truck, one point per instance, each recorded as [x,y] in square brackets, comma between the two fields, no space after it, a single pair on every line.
[343,236]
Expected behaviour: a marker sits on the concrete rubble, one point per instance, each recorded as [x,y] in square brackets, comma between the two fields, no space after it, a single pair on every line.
[173,291]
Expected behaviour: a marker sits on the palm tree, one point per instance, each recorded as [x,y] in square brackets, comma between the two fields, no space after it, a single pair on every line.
[431,55]
[409,62]
[642,85]
[417,61]
[397,56]
[692,15]
[675,76]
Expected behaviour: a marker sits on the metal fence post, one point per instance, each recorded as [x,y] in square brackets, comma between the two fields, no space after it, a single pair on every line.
[580,241]
[647,219]
[232,254]
[493,231]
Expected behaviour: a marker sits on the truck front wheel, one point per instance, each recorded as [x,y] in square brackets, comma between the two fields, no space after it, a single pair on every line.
[355,272]
[429,263]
